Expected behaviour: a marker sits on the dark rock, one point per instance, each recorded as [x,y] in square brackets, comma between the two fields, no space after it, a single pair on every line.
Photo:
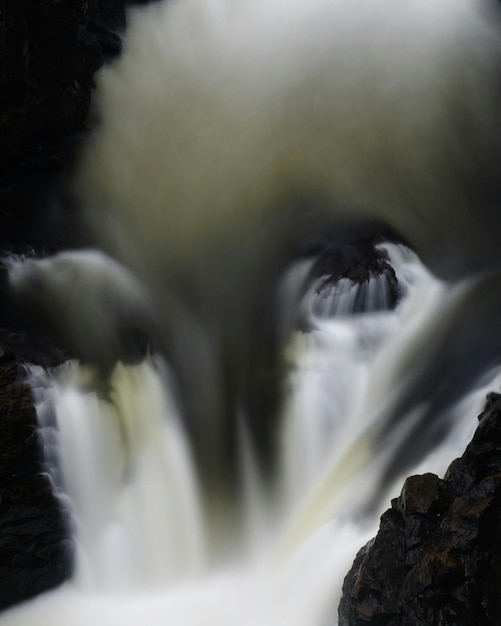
[35,549]
[436,557]
[50,51]
[368,276]
[36,553]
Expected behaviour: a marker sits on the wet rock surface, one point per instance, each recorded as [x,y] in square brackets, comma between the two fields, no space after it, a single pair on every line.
[354,278]
[437,556]
[35,550]
[50,51]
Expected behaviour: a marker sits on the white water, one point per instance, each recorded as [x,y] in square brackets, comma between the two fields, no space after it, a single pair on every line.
[217,115]
[148,553]
[220,111]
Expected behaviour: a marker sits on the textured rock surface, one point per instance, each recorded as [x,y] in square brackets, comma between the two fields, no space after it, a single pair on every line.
[437,556]
[35,552]
[49,52]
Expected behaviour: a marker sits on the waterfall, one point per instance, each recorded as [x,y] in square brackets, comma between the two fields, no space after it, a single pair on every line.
[147,549]
[232,139]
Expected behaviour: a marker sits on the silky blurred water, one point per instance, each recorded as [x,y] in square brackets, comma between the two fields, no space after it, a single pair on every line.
[149,552]
[218,117]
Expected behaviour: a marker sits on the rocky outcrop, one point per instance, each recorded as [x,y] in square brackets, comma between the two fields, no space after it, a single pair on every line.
[353,278]
[50,51]
[35,550]
[437,556]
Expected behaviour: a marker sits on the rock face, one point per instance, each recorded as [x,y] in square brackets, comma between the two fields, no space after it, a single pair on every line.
[35,551]
[437,556]
[50,50]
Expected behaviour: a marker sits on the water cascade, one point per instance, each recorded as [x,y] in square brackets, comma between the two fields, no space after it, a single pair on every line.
[217,123]
[145,547]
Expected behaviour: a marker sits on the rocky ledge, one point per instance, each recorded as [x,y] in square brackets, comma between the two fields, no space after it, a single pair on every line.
[437,556]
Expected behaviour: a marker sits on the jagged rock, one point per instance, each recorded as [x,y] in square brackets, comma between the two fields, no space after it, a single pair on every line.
[437,556]
[35,549]
[354,278]
[50,52]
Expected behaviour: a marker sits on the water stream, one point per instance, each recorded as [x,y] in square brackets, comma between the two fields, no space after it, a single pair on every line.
[218,121]
[147,552]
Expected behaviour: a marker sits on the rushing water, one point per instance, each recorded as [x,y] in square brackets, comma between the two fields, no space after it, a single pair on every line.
[148,551]
[232,135]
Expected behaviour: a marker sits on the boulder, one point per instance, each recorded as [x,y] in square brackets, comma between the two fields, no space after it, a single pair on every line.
[437,556]
[50,51]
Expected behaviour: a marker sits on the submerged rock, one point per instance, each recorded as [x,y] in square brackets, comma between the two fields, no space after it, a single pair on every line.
[437,556]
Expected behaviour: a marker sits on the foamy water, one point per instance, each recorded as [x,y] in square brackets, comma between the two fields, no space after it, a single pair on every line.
[218,117]
[147,550]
